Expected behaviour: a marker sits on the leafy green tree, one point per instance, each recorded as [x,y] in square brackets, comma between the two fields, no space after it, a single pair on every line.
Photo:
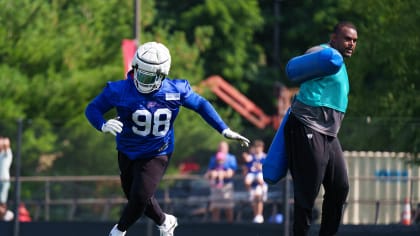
[223,31]
[384,76]
[55,56]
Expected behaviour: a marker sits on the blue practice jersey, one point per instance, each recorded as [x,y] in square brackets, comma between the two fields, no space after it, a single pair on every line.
[230,163]
[148,118]
[252,165]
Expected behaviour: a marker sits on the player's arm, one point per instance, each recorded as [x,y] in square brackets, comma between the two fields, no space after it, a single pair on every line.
[211,166]
[259,166]
[94,113]
[232,166]
[8,151]
[203,107]
[206,110]
[247,157]
[229,173]
[318,61]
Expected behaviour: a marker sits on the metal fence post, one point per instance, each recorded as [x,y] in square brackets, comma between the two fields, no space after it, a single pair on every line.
[47,200]
[17,178]
[286,206]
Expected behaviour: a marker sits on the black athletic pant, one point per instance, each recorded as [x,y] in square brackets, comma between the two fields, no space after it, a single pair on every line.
[315,159]
[139,180]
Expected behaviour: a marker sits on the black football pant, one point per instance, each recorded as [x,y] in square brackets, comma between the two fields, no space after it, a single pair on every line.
[139,180]
[315,159]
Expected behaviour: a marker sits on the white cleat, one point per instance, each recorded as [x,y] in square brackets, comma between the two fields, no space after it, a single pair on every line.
[116,232]
[258,219]
[168,226]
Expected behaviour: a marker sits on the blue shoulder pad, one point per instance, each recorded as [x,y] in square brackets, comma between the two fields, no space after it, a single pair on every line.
[275,165]
[313,65]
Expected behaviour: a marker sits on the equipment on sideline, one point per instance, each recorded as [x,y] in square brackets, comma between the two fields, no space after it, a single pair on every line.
[406,215]
[313,65]
[275,164]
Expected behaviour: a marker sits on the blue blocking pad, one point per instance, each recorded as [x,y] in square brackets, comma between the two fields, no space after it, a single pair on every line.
[309,66]
[275,164]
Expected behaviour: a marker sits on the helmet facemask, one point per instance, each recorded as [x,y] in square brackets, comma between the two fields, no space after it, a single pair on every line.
[151,65]
[147,82]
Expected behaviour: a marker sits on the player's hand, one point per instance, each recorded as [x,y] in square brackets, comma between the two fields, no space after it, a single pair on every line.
[228,133]
[113,126]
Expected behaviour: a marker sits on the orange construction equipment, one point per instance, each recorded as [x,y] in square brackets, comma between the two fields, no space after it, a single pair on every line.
[237,101]
[246,107]
[406,215]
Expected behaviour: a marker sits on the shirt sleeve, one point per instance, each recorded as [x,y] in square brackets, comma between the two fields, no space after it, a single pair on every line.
[212,163]
[97,107]
[232,164]
[203,107]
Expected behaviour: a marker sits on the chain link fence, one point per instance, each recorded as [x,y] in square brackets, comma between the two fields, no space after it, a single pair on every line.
[70,174]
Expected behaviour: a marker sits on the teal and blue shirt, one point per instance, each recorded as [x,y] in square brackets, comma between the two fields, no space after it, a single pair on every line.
[329,91]
[321,102]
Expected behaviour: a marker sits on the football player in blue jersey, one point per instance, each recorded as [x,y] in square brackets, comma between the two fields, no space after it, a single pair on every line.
[147,103]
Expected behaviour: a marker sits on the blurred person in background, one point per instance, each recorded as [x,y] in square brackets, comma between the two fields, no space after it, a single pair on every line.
[147,103]
[218,172]
[6,157]
[254,181]
[222,197]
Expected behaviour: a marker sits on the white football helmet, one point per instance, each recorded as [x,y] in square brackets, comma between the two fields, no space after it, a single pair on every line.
[151,65]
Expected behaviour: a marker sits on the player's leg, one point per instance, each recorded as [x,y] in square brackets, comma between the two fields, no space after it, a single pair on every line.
[260,178]
[215,214]
[126,178]
[156,168]
[220,178]
[222,199]
[336,187]
[307,162]
[146,175]
[213,176]
[258,207]
[260,192]
[249,178]
[229,214]
[228,194]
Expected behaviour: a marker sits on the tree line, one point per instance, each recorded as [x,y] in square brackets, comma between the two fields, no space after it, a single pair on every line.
[57,55]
